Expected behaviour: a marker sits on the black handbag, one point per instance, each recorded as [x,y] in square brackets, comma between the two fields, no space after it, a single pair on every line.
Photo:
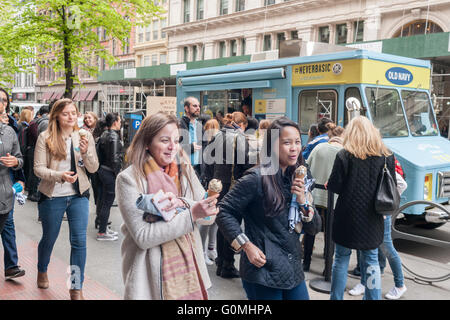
[387,199]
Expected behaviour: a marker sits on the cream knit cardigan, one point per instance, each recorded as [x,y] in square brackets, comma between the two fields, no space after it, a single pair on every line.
[141,247]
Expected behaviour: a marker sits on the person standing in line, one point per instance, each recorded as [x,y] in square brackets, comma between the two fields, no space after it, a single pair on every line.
[270,263]
[356,225]
[320,162]
[388,249]
[62,156]
[110,155]
[162,260]
[90,121]
[228,169]
[192,133]
[321,138]
[209,232]
[95,179]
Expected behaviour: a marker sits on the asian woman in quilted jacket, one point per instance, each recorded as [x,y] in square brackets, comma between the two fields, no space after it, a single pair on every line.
[271,254]
[356,225]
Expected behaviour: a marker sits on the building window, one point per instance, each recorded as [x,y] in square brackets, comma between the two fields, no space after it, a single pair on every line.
[155,30]
[240,5]
[280,37]
[267,46]
[324,34]
[148,33]
[243,47]
[358,26]
[126,46]
[294,34]
[162,58]
[222,49]
[187,8]
[185,54]
[154,59]
[341,33]
[114,47]
[140,31]
[223,7]
[194,53]
[163,25]
[418,27]
[233,45]
[269,2]
[200,9]
[146,61]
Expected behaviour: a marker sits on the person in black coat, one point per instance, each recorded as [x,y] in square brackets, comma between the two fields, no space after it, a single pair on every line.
[270,264]
[355,175]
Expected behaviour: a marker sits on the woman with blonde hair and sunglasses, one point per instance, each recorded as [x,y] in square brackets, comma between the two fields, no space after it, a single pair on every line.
[62,156]
[356,225]
[162,255]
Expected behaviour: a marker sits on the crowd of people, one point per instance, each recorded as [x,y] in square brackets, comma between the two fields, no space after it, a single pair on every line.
[173,226]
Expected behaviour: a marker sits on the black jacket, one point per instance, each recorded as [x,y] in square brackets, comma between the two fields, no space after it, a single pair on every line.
[272,235]
[230,148]
[189,147]
[110,151]
[356,225]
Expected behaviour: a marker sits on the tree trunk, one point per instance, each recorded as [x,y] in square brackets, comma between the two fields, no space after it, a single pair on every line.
[67,57]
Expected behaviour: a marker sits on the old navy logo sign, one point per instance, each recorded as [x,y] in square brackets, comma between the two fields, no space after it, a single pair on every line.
[399,76]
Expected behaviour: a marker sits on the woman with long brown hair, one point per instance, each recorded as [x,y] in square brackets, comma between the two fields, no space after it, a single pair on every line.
[162,258]
[90,121]
[356,225]
[61,158]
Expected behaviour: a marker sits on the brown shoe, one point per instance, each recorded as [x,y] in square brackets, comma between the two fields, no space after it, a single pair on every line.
[42,280]
[76,294]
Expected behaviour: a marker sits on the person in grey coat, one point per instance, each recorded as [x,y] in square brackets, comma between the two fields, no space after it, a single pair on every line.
[10,157]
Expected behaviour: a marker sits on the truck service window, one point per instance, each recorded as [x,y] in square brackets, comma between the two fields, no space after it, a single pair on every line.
[419,114]
[315,105]
[387,112]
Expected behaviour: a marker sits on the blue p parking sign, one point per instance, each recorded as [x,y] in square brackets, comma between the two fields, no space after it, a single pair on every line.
[136,124]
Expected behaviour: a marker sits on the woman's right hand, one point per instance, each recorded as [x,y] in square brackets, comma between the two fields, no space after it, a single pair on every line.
[254,255]
[205,208]
[69,176]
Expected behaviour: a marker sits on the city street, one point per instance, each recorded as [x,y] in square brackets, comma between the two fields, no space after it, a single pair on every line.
[104,278]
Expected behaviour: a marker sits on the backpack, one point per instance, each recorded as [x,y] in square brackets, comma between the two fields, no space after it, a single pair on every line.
[22,136]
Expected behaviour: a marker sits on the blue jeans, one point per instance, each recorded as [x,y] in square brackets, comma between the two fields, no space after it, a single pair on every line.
[10,257]
[259,292]
[369,261]
[391,254]
[51,212]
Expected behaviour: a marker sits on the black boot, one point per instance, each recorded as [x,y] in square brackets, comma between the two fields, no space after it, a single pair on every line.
[229,271]
[219,267]
[306,265]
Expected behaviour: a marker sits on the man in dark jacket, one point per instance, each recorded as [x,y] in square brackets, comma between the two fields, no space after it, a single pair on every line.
[192,133]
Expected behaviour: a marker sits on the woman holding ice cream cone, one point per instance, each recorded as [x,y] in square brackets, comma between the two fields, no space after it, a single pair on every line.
[61,158]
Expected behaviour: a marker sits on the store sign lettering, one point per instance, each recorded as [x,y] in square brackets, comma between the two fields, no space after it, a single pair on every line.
[399,76]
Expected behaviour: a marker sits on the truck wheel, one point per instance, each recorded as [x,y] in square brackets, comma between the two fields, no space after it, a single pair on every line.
[430,225]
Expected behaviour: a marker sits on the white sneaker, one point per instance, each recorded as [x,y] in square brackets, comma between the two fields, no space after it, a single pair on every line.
[212,254]
[358,290]
[395,293]
[208,261]
[106,237]
[111,231]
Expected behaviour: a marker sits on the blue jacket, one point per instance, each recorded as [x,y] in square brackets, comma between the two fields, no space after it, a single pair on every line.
[312,144]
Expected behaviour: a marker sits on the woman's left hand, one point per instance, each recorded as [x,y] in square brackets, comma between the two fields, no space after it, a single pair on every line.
[84,143]
[298,188]
[175,202]
[9,161]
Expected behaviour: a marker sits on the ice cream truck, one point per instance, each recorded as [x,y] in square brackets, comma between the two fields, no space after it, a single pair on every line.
[392,91]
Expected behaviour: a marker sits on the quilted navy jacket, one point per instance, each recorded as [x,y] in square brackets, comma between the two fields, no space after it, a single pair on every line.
[356,225]
[283,269]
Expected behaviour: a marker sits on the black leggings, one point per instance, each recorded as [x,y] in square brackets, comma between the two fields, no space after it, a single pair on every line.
[106,199]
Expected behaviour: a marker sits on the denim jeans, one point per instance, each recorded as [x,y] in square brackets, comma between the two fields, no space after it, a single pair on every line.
[10,258]
[391,254]
[108,182]
[51,212]
[259,292]
[369,261]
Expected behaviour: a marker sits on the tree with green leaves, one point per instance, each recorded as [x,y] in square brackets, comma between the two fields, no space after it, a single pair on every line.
[65,33]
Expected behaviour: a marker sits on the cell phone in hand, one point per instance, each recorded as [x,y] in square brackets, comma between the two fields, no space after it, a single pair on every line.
[167,215]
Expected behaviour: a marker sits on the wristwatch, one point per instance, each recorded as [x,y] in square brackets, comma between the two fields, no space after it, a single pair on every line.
[239,241]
